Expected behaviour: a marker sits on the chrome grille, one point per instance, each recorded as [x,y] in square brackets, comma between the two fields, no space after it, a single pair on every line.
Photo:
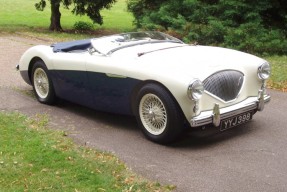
[224,84]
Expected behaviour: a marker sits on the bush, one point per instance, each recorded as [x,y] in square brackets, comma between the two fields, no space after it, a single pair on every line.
[258,27]
[256,39]
[83,26]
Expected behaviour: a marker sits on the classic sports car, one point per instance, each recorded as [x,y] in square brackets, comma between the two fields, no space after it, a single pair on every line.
[167,84]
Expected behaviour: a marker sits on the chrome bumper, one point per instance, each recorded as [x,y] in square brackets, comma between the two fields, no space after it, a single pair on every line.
[214,116]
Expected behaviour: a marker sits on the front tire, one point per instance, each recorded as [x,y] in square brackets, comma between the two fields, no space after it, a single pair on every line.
[42,84]
[158,114]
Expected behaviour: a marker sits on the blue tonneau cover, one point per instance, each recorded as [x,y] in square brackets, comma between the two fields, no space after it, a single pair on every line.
[72,45]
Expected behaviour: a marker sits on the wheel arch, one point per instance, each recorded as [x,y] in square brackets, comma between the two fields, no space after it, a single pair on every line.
[142,84]
[31,64]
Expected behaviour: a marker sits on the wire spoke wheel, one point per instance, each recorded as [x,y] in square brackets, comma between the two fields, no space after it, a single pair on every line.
[41,83]
[153,114]
[158,114]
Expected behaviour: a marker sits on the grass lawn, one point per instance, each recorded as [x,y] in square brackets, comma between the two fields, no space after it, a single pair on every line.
[278,79]
[34,158]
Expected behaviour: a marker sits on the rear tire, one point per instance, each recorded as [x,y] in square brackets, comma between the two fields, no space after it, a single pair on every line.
[42,84]
[158,114]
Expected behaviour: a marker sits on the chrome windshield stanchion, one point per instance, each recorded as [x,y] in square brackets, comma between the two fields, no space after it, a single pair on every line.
[216,115]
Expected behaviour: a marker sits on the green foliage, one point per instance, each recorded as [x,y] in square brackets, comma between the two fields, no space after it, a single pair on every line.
[258,26]
[91,8]
[83,26]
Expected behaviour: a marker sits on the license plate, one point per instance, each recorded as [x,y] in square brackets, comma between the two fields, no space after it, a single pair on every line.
[236,120]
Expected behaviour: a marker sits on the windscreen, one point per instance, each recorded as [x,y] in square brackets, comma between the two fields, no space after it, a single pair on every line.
[107,45]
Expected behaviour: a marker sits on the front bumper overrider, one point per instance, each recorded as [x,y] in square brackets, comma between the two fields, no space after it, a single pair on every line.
[217,114]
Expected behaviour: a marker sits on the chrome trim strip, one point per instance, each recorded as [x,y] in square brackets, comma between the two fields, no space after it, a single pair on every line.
[115,76]
[249,104]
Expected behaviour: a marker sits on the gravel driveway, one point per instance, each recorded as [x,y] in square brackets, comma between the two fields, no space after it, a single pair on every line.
[252,157]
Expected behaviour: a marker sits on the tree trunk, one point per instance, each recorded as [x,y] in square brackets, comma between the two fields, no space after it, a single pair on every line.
[55,16]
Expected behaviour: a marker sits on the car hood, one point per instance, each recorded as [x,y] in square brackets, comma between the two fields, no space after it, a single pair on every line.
[188,60]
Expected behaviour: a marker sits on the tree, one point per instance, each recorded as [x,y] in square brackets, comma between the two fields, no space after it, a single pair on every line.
[257,26]
[91,8]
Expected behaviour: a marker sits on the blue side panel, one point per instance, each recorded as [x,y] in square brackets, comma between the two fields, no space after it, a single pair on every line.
[95,90]
[111,94]
[72,86]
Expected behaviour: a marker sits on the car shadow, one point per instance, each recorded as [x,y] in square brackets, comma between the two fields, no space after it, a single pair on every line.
[191,138]
[212,136]
[111,119]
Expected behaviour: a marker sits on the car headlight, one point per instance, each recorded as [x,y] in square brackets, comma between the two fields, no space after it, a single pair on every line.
[264,71]
[195,90]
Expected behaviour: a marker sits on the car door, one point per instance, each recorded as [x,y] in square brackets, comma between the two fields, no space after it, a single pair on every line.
[109,86]
[70,77]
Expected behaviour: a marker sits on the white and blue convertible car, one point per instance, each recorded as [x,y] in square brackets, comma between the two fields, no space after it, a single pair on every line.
[167,84]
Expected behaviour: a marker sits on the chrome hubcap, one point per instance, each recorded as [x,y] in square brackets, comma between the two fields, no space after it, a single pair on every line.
[153,114]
